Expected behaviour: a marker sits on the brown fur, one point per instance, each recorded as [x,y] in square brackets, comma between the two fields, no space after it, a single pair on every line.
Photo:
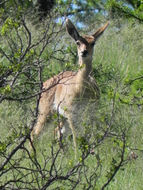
[69,85]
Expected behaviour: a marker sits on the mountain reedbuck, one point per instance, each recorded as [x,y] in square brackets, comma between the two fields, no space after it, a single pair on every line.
[67,88]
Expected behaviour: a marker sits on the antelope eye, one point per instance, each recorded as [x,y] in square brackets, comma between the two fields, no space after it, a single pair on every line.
[93,43]
[78,43]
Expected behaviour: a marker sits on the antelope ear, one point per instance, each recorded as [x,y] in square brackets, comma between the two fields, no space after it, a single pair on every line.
[100,31]
[72,30]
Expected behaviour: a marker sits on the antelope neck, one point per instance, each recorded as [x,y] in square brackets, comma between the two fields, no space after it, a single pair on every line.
[85,67]
[83,72]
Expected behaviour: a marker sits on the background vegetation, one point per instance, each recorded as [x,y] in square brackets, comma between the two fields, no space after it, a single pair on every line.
[35,46]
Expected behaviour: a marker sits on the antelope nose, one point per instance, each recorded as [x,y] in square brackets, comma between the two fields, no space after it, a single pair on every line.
[84,53]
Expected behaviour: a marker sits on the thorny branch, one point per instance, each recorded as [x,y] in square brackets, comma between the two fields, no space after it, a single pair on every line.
[121,163]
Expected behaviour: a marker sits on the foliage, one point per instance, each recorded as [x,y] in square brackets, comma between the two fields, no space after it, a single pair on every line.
[128,8]
[109,133]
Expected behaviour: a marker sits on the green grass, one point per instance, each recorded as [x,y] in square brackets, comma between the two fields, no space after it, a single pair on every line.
[118,58]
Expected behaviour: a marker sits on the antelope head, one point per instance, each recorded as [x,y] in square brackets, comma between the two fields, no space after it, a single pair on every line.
[85,44]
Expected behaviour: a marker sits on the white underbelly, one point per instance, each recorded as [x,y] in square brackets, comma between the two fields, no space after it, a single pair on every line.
[58,108]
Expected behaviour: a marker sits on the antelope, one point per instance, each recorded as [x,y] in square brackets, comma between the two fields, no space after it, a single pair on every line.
[68,86]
